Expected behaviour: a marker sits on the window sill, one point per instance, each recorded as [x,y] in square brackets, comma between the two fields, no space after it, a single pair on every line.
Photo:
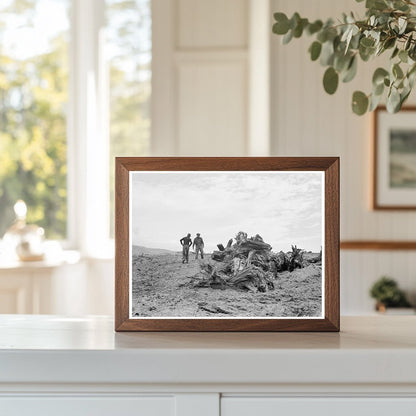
[51,261]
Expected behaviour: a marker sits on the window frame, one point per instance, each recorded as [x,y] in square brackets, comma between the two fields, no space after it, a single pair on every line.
[87,133]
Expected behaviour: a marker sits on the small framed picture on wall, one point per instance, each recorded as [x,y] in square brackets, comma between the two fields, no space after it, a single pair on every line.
[394,158]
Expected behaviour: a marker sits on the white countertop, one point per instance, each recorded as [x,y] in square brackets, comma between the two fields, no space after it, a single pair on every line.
[50,349]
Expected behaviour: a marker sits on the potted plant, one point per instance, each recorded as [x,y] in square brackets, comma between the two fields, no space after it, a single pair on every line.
[387,294]
[389,27]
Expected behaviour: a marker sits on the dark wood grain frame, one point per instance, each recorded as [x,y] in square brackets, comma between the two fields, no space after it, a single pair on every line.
[330,165]
[376,205]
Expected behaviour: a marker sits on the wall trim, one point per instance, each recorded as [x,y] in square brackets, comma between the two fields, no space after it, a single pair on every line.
[378,245]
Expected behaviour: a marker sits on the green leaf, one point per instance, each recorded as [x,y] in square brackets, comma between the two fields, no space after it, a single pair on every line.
[366,53]
[400,5]
[395,52]
[403,96]
[351,71]
[341,61]
[327,53]
[376,4]
[367,42]
[379,75]
[374,101]
[412,70]
[314,27]
[336,42]
[298,30]
[389,43]
[294,20]
[281,27]
[403,56]
[359,103]
[332,33]
[315,50]
[397,71]
[366,48]
[330,80]
[288,37]
[393,101]
[378,89]
[355,41]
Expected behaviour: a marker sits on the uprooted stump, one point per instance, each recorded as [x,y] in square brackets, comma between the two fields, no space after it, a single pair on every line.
[245,264]
[222,275]
[249,264]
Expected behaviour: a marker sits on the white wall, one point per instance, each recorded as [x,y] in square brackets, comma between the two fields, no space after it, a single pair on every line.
[202,86]
[308,122]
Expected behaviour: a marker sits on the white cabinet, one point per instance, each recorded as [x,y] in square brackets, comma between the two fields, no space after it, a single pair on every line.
[80,367]
[203,405]
[87,406]
[271,406]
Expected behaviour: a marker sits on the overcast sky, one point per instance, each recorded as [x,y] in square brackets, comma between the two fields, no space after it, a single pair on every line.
[283,207]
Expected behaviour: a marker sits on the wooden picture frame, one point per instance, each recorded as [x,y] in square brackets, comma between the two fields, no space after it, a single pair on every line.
[394,184]
[127,168]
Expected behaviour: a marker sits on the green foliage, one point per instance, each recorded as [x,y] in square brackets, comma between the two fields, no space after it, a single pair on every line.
[330,80]
[282,25]
[315,50]
[389,26]
[359,103]
[33,99]
[34,102]
[130,82]
[386,291]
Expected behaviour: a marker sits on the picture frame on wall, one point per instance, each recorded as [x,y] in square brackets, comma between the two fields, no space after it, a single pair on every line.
[227,244]
[394,159]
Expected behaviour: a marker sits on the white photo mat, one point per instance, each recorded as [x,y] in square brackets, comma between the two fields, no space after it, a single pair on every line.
[139,196]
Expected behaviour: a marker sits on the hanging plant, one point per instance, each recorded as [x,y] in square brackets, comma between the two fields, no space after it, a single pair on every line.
[389,27]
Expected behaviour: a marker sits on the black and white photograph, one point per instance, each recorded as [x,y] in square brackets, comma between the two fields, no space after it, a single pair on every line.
[226,244]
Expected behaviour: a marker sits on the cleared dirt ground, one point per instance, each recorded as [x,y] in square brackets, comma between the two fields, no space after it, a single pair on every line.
[162,287]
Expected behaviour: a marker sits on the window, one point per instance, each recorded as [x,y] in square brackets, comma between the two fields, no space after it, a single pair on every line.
[33,98]
[129,46]
[75,87]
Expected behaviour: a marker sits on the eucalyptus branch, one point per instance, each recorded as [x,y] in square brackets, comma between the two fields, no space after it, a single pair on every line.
[388,25]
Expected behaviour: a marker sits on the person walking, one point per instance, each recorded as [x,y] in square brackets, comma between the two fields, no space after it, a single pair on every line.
[198,245]
[186,242]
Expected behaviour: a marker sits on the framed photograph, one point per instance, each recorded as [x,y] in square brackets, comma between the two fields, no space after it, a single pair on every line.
[394,180]
[227,244]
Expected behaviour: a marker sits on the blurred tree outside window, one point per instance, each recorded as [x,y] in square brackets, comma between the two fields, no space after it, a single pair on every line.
[34,94]
[129,52]
[33,101]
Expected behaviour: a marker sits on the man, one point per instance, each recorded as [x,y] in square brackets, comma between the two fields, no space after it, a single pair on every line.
[186,242]
[198,245]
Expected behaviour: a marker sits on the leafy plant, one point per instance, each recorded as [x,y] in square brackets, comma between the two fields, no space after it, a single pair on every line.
[389,27]
[386,291]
